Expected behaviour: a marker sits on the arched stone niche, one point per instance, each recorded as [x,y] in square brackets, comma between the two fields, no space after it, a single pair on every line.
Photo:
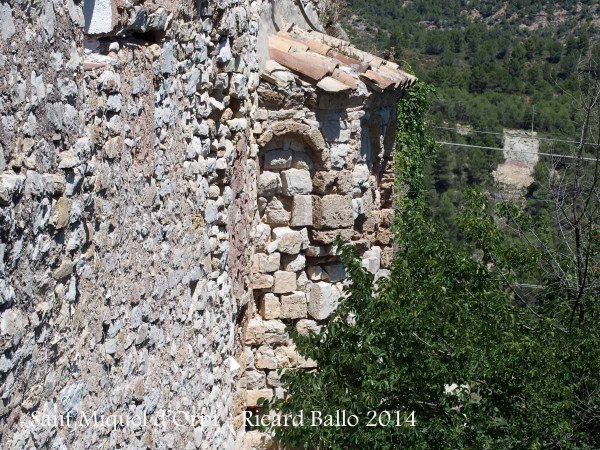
[300,132]
[302,209]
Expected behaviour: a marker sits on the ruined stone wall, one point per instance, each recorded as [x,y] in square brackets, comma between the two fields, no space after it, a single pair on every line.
[126,199]
[164,215]
[326,169]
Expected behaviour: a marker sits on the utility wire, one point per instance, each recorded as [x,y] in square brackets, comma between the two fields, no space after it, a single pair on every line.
[530,286]
[454,144]
[527,136]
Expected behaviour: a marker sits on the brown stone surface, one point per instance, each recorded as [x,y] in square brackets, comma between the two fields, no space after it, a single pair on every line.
[262,281]
[302,211]
[253,396]
[293,306]
[332,212]
[267,263]
[269,306]
[284,282]
[328,236]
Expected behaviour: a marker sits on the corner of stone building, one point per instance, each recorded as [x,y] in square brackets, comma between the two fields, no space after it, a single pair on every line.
[166,211]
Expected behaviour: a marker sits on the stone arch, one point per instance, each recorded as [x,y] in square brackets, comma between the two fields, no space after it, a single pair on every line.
[312,137]
[302,206]
[287,165]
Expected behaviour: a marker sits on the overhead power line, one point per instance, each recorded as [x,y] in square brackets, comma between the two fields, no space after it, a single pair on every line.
[526,136]
[454,144]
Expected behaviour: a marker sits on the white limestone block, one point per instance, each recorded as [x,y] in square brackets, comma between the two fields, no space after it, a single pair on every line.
[296,182]
[98,16]
[284,282]
[269,184]
[323,300]
[302,211]
[293,306]
[288,241]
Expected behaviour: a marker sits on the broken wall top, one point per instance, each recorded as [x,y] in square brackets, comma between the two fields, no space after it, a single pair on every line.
[331,65]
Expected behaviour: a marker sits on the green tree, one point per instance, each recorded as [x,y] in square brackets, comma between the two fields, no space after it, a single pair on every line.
[444,341]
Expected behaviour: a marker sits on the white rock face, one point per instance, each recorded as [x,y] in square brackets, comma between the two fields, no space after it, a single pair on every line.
[10,184]
[295,182]
[288,240]
[323,300]
[98,16]
[7,26]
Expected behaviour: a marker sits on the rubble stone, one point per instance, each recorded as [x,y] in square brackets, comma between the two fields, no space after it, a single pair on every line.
[296,182]
[293,306]
[333,211]
[284,282]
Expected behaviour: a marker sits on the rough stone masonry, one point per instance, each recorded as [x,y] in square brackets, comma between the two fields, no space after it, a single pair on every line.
[171,181]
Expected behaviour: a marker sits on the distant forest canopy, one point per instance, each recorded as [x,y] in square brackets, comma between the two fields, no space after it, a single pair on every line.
[494,64]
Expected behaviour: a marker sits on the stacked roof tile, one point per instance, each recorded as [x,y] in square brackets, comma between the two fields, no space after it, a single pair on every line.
[332,64]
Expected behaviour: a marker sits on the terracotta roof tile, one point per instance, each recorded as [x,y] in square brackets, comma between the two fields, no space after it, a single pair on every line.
[382,82]
[345,78]
[295,45]
[307,64]
[330,84]
[279,44]
[317,56]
